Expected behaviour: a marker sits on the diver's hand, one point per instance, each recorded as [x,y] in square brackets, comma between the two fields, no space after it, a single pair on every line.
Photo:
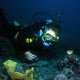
[30,56]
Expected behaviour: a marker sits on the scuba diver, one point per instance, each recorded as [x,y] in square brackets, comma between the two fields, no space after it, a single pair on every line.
[36,39]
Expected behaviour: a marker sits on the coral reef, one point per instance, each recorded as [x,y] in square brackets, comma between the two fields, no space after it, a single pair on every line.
[60,77]
[16,72]
[63,68]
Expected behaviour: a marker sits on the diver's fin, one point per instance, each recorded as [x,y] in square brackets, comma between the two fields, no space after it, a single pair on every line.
[4,24]
[3,20]
[7,29]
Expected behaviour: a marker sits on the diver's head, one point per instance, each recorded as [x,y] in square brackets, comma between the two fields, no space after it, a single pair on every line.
[51,34]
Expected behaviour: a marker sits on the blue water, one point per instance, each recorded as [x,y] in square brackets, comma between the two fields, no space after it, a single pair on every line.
[22,10]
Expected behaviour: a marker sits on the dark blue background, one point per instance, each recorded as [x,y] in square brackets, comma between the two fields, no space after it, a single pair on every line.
[22,10]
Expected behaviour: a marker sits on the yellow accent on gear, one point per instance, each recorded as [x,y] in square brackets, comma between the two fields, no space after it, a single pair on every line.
[16,35]
[29,40]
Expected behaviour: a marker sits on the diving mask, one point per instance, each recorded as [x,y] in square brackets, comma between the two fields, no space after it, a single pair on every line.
[50,35]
